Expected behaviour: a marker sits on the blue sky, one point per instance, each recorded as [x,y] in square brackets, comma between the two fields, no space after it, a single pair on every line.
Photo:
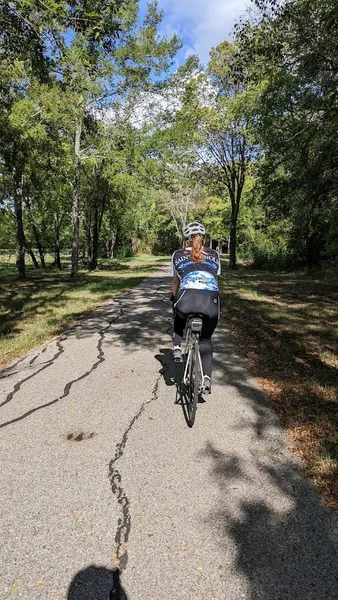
[202,24]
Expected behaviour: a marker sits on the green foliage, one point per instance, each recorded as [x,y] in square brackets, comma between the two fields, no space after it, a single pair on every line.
[7,229]
[74,66]
[291,49]
[248,147]
[269,249]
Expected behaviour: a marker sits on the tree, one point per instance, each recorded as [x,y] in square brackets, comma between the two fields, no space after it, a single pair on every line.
[91,56]
[111,60]
[179,202]
[216,121]
[292,48]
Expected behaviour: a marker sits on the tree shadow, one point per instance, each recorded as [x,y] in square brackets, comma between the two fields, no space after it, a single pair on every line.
[286,544]
[286,325]
[96,583]
[141,315]
[45,294]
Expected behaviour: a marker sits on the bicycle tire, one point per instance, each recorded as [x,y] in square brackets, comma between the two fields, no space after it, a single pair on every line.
[194,383]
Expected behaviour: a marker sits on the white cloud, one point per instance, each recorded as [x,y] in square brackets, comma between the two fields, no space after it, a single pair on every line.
[202,23]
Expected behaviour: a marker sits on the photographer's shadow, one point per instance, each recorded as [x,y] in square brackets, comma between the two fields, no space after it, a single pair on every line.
[96,583]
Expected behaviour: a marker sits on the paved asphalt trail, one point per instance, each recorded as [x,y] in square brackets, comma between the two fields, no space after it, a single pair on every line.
[105,493]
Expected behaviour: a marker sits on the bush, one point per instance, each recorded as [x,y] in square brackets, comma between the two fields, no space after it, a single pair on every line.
[270,251]
[329,268]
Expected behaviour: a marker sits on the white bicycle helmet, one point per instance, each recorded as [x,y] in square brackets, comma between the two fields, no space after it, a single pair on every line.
[193,229]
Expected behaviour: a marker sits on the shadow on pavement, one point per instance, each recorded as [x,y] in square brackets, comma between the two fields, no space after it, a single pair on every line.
[140,318]
[286,545]
[285,540]
[96,583]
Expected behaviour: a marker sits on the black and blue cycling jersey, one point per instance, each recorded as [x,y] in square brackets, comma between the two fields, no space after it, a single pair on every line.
[194,275]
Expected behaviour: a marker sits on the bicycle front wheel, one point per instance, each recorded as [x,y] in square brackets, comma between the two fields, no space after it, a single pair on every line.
[194,383]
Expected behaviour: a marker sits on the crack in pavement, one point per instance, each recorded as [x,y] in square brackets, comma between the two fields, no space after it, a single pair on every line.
[11,366]
[52,361]
[10,375]
[124,522]
[46,365]
[18,385]
[37,356]
[69,385]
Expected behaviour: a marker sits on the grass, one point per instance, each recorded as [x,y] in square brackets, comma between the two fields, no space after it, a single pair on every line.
[39,308]
[286,325]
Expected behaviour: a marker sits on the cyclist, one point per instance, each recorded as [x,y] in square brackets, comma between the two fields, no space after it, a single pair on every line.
[195,291]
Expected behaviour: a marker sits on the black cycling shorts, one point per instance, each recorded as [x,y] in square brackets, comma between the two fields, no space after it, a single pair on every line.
[197,302]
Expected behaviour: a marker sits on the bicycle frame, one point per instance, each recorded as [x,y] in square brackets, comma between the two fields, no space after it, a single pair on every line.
[189,346]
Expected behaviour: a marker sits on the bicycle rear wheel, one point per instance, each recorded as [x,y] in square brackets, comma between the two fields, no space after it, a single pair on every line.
[194,383]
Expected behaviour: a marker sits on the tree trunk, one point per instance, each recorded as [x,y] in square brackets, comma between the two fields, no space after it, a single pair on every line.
[57,247]
[93,264]
[20,234]
[233,233]
[75,208]
[38,245]
[89,239]
[32,255]
[57,255]
[35,235]
[313,248]
[233,241]
[111,243]
[235,197]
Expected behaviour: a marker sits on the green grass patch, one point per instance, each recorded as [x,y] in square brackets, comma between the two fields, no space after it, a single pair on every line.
[286,325]
[39,308]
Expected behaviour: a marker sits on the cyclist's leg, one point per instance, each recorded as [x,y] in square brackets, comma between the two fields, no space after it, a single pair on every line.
[179,325]
[182,308]
[209,326]
[181,314]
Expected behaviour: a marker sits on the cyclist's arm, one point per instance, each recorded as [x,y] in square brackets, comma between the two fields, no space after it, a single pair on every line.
[176,279]
[176,284]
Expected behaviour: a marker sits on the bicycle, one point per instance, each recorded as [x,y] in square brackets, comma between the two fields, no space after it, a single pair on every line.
[193,370]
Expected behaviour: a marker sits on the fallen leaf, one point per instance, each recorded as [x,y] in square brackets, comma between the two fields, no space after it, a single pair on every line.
[14,590]
[39,582]
[116,561]
[185,548]
[200,568]
[77,517]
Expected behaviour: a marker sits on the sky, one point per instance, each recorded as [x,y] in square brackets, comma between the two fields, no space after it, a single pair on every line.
[202,24]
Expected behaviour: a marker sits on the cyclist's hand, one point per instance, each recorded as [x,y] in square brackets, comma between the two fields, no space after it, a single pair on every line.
[172,298]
